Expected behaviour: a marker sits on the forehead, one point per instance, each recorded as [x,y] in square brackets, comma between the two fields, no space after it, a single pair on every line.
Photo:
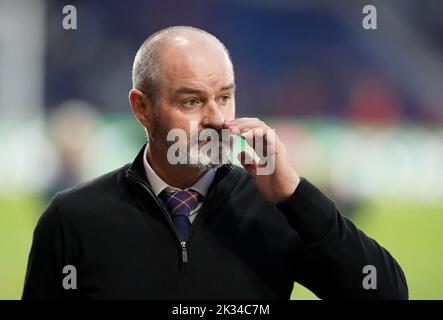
[189,63]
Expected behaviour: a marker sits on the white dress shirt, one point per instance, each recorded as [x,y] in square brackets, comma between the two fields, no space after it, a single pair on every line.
[158,185]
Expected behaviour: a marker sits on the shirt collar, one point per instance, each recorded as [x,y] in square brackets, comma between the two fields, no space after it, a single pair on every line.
[158,185]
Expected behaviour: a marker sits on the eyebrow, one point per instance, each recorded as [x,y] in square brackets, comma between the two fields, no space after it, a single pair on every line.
[184,90]
[187,90]
[228,87]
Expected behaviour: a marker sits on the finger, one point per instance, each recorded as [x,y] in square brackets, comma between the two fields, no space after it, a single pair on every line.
[240,120]
[248,162]
[245,123]
[253,136]
[261,140]
[241,129]
[257,130]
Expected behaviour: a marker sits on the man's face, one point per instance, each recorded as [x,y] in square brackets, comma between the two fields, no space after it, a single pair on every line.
[197,84]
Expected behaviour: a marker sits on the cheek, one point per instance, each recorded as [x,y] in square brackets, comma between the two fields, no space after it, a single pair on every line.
[229,112]
[190,123]
[171,117]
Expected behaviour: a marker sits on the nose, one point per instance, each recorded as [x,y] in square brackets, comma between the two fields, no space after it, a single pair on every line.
[212,116]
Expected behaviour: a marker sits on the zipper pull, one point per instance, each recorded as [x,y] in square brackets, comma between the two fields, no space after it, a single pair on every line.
[184,252]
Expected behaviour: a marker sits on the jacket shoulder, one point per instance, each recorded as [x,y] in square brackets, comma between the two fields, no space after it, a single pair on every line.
[94,191]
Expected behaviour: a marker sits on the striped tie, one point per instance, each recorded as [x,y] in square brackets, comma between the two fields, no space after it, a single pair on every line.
[180,204]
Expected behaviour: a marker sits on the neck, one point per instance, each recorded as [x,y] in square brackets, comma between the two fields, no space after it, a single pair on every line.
[175,175]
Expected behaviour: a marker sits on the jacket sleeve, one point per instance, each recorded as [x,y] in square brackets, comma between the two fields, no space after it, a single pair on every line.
[335,252]
[45,264]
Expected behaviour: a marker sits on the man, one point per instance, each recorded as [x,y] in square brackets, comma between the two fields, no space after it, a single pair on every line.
[155,229]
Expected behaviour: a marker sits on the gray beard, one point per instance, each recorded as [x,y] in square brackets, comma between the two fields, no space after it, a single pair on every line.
[158,137]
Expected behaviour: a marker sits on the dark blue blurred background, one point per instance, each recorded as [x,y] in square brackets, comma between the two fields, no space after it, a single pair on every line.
[298,58]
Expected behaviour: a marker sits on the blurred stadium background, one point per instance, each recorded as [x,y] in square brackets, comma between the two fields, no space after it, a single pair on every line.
[361,112]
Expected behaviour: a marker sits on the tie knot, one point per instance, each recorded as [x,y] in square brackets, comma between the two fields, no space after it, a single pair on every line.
[180,202]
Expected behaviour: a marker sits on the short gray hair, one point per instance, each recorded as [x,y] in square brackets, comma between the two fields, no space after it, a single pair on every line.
[146,67]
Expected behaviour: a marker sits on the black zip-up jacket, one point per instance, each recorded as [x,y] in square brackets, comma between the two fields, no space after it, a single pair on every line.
[123,245]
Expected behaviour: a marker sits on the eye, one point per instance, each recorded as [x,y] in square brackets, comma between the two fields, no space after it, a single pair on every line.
[191,103]
[225,99]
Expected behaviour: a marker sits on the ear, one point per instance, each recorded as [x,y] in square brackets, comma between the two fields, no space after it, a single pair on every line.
[141,106]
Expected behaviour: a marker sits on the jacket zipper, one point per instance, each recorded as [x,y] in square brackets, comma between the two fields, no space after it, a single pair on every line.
[183,244]
[197,219]
[183,247]
[184,252]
